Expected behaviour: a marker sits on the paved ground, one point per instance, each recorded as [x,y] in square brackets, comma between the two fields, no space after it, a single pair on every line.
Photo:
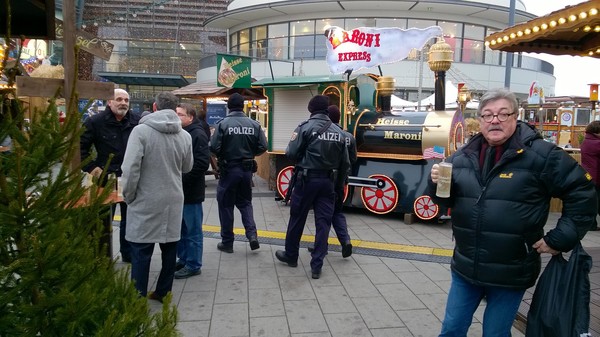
[395,284]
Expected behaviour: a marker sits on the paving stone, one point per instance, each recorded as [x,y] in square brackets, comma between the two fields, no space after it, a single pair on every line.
[305,316]
[377,313]
[334,300]
[346,325]
[232,291]
[275,326]
[230,320]
[266,302]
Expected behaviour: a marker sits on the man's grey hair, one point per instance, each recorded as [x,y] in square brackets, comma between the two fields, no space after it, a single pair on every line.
[496,94]
[166,100]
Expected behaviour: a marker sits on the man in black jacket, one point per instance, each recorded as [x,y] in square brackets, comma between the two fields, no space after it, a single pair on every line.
[108,132]
[501,187]
[237,139]
[189,248]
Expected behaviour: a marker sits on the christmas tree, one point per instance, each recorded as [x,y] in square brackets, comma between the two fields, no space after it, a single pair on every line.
[55,277]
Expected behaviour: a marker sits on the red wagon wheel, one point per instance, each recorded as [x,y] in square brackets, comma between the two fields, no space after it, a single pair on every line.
[283,180]
[425,208]
[383,199]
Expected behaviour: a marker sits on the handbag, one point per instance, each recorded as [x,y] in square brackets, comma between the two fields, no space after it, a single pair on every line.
[560,306]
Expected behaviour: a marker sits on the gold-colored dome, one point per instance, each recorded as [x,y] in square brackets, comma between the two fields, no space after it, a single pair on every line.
[440,56]
[385,85]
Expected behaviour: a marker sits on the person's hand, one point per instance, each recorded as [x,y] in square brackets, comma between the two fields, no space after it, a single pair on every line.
[435,173]
[96,172]
[542,247]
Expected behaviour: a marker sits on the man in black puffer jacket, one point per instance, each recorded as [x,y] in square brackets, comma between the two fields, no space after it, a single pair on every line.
[502,183]
[189,248]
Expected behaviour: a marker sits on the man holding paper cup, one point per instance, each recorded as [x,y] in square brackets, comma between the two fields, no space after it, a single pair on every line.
[500,188]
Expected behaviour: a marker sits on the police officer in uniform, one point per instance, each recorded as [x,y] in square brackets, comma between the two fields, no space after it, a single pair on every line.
[338,222]
[319,149]
[237,139]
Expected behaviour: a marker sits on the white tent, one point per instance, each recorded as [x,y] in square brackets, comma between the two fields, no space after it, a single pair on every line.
[399,103]
[451,94]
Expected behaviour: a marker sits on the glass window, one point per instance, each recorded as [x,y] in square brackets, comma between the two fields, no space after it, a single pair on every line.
[278,48]
[455,45]
[233,39]
[302,47]
[244,49]
[451,29]
[412,23]
[320,46]
[302,28]
[278,30]
[472,51]
[474,32]
[358,22]
[324,23]
[244,36]
[583,116]
[389,23]
[259,33]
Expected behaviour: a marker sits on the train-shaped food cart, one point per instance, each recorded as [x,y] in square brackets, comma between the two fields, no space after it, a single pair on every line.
[395,149]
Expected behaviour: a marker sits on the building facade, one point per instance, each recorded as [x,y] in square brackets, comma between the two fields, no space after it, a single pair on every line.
[158,44]
[286,38]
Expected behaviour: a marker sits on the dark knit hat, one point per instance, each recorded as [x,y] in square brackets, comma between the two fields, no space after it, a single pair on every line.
[318,103]
[235,102]
[334,113]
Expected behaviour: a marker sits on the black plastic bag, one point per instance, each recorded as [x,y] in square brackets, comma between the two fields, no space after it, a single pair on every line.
[561,302]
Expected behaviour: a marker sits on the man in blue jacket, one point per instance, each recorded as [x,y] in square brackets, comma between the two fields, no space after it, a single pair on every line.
[502,182]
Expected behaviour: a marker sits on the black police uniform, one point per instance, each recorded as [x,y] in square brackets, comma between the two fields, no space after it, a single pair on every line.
[109,136]
[323,163]
[237,139]
[338,221]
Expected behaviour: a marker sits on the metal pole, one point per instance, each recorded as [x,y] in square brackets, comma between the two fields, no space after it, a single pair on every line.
[509,56]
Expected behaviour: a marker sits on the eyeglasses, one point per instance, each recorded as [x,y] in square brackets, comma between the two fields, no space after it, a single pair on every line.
[502,117]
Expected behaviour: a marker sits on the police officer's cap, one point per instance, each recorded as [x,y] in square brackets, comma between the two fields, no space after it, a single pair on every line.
[318,103]
[236,101]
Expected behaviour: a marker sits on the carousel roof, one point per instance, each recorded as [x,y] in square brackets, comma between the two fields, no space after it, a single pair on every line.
[574,30]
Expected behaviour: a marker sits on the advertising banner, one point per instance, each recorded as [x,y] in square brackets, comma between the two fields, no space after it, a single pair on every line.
[233,71]
[366,47]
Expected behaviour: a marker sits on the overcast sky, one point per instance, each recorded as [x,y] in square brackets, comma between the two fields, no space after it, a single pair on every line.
[573,73]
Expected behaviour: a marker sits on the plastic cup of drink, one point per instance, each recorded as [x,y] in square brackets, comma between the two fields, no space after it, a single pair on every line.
[444,180]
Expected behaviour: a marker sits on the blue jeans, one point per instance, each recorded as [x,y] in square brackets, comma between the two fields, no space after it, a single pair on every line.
[189,248]
[141,255]
[463,300]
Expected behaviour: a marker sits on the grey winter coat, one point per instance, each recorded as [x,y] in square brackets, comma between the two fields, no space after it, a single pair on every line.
[158,153]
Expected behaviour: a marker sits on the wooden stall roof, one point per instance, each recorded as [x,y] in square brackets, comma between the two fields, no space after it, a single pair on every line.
[202,90]
[574,30]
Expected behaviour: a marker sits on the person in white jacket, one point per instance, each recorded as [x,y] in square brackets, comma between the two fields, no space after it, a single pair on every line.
[159,151]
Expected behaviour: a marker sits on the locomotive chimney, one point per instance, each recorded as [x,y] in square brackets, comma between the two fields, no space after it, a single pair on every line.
[440,59]
[385,89]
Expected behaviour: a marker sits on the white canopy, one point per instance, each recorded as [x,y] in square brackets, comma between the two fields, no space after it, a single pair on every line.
[398,102]
[451,95]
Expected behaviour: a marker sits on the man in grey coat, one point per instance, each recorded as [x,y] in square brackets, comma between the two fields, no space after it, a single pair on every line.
[158,153]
